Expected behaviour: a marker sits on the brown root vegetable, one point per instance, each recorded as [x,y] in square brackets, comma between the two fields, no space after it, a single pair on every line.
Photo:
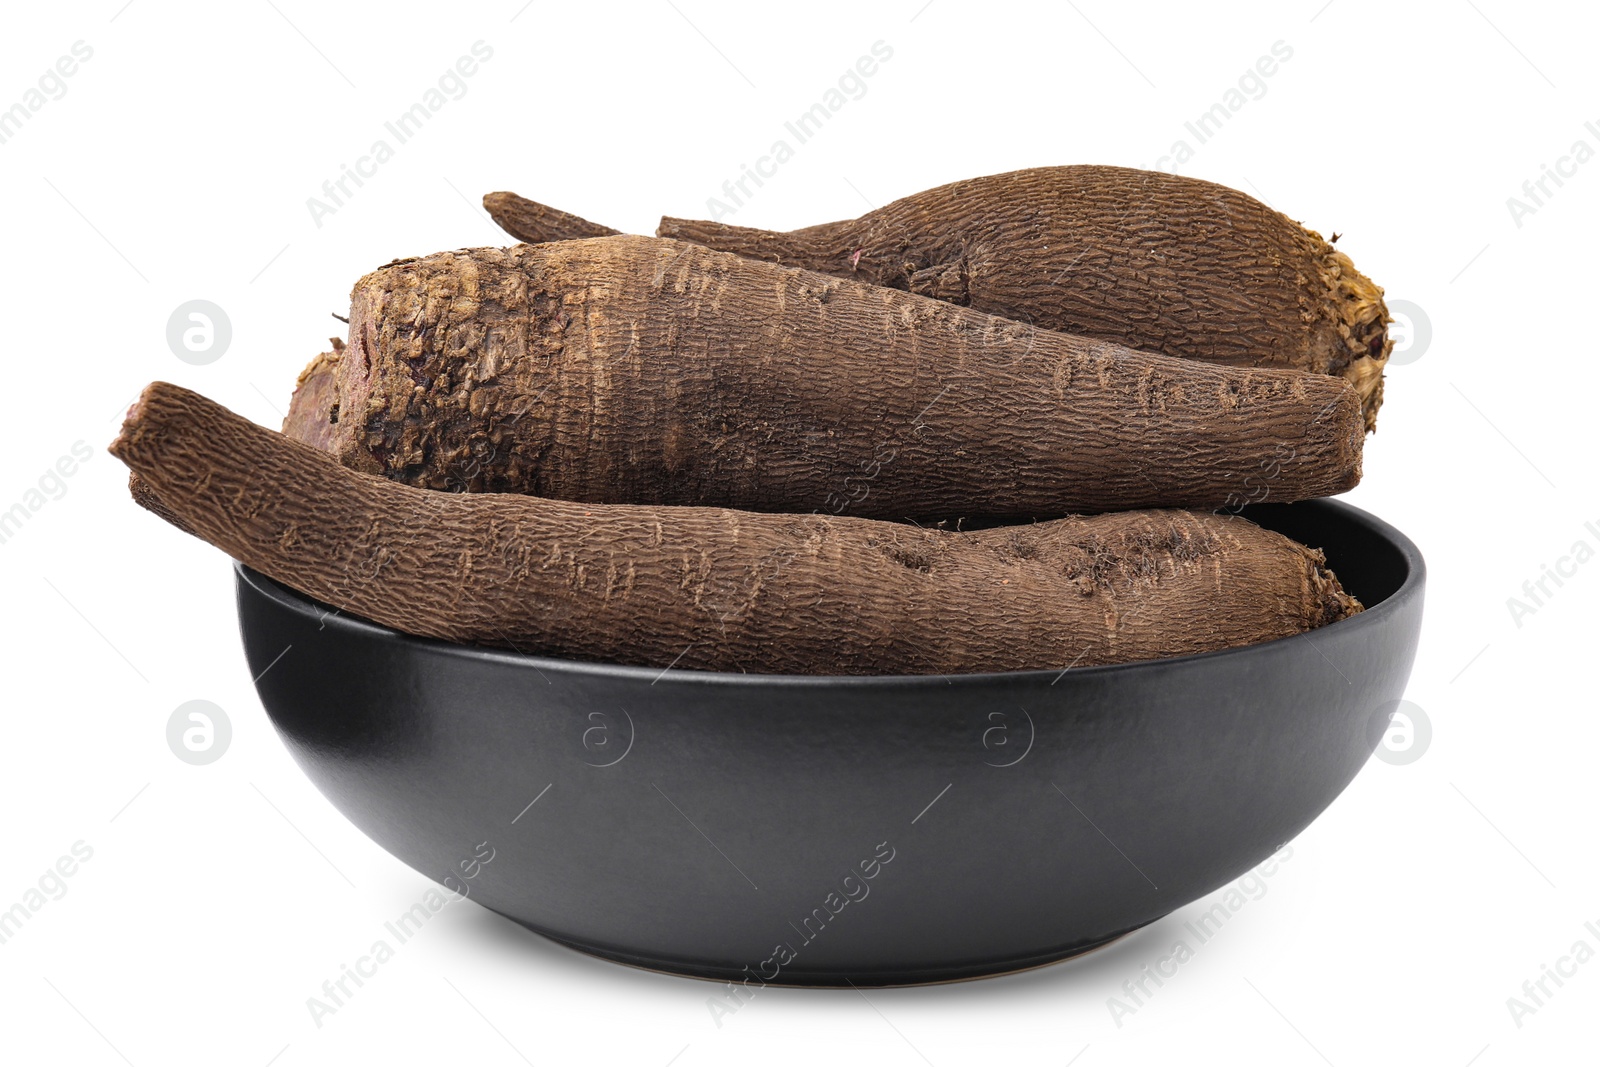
[536,224]
[639,370]
[1151,260]
[717,589]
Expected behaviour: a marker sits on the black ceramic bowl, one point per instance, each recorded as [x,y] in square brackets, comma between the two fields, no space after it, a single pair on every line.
[818,830]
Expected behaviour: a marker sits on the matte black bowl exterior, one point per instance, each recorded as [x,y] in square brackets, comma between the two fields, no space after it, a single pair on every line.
[813,830]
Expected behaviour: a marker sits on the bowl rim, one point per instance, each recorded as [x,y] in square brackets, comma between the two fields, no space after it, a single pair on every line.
[1372,615]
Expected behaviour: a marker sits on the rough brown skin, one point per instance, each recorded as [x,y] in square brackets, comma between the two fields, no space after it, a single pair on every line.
[539,223]
[717,589]
[1151,260]
[639,370]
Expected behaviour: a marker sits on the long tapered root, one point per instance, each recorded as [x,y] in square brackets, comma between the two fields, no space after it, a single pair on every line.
[642,370]
[536,223]
[718,589]
[1151,260]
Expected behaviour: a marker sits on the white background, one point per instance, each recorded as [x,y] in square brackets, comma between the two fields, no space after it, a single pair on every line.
[177,166]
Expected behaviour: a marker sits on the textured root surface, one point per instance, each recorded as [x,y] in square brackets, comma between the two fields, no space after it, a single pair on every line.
[718,589]
[1155,261]
[640,370]
[1362,321]
[536,223]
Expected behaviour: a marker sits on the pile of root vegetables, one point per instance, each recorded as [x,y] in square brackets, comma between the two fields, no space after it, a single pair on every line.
[1003,424]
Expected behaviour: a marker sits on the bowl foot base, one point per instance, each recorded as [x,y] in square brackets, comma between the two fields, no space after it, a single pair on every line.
[841,979]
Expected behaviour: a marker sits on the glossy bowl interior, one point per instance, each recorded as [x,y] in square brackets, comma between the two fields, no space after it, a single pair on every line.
[819,830]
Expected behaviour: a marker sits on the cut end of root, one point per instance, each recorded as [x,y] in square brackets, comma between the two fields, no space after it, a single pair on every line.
[314,410]
[1361,319]
[1331,601]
